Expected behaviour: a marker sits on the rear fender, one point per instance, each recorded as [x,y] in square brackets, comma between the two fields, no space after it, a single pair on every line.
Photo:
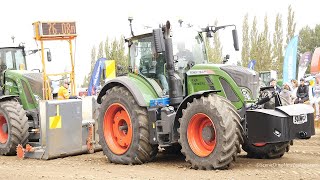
[8,97]
[140,88]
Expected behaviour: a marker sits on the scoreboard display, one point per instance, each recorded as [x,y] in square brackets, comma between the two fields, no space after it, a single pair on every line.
[51,30]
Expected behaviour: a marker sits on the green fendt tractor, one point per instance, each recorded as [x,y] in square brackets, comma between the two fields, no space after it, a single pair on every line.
[20,92]
[172,97]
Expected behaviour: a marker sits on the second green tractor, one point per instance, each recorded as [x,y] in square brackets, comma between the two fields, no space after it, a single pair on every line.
[173,98]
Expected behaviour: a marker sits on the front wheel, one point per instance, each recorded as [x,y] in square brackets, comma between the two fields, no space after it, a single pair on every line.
[265,150]
[13,127]
[209,133]
[123,129]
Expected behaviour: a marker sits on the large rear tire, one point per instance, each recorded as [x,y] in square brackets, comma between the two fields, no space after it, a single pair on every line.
[210,134]
[13,127]
[123,129]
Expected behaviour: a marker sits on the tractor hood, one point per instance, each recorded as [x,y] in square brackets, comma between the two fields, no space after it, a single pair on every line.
[243,77]
[36,82]
[34,79]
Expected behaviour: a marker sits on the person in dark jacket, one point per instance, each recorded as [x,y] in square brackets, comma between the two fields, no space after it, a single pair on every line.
[273,83]
[302,93]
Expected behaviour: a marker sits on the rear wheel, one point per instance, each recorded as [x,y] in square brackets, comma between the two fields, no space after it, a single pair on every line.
[209,134]
[13,127]
[123,129]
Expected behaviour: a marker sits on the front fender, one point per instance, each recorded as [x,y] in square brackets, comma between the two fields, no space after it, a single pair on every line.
[139,87]
[189,98]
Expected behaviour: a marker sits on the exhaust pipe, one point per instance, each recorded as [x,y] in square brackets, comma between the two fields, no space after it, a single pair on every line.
[175,90]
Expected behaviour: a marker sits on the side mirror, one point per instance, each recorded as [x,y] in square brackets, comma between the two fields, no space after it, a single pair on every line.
[210,34]
[235,39]
[158,40]
[49,56]
[225,59]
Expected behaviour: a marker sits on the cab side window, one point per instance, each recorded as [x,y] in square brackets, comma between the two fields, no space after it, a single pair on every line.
[9,60]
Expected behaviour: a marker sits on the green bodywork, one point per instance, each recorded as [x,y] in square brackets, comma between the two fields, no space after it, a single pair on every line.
[198,82]
[16,84]
[195,83]
[148,87]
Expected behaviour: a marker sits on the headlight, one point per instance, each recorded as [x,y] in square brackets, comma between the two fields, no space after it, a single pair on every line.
[246,94]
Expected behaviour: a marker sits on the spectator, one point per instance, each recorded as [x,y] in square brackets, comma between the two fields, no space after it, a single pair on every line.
[273,83]
[63,92]
[302,93]
[286,93]
[316,98]
[294,84]
[261,83]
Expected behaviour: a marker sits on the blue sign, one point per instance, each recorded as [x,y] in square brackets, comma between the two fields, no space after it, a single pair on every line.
[251,64]
[95,76]
[290,60]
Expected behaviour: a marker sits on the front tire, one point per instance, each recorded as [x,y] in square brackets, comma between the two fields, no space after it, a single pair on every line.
[13,127]
[265,150]
[209,133]
[123,129]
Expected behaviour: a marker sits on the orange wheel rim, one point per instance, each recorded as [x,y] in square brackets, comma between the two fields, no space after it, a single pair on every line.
[259,144]
[117,128]
[201,135]
[3,129]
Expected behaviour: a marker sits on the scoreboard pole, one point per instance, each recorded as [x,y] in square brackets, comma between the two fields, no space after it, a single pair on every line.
[72,75]
[46,90]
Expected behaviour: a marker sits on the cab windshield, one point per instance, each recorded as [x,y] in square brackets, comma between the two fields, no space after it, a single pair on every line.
[12,58]
[188,48]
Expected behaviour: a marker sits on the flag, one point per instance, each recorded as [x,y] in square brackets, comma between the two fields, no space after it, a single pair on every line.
[95,76]
[303,64]
[315,62]
[290,60]
[251,64]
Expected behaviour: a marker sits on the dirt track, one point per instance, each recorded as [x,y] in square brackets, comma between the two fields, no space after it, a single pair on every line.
[302,162]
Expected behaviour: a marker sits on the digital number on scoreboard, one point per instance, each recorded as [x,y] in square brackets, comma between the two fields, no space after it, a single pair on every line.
[56,29]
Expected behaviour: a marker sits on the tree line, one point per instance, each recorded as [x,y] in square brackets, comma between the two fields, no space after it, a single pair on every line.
[269,54]
[267,50]
[266,47]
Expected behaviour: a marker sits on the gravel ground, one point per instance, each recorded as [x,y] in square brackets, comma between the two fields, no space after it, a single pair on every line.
[302,162]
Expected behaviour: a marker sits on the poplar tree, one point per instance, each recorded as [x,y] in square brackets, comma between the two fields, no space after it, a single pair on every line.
[291,26]
[217,46]
[254,51]
[277,50]
[245,52]
[100,50]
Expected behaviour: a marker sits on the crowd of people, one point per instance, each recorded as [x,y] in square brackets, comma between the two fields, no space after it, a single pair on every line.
[300,92]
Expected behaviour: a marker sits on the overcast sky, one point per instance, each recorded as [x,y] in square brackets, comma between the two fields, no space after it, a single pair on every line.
[97,19]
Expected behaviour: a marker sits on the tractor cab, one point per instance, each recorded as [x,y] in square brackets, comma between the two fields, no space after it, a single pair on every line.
[12,58]
[188,50]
